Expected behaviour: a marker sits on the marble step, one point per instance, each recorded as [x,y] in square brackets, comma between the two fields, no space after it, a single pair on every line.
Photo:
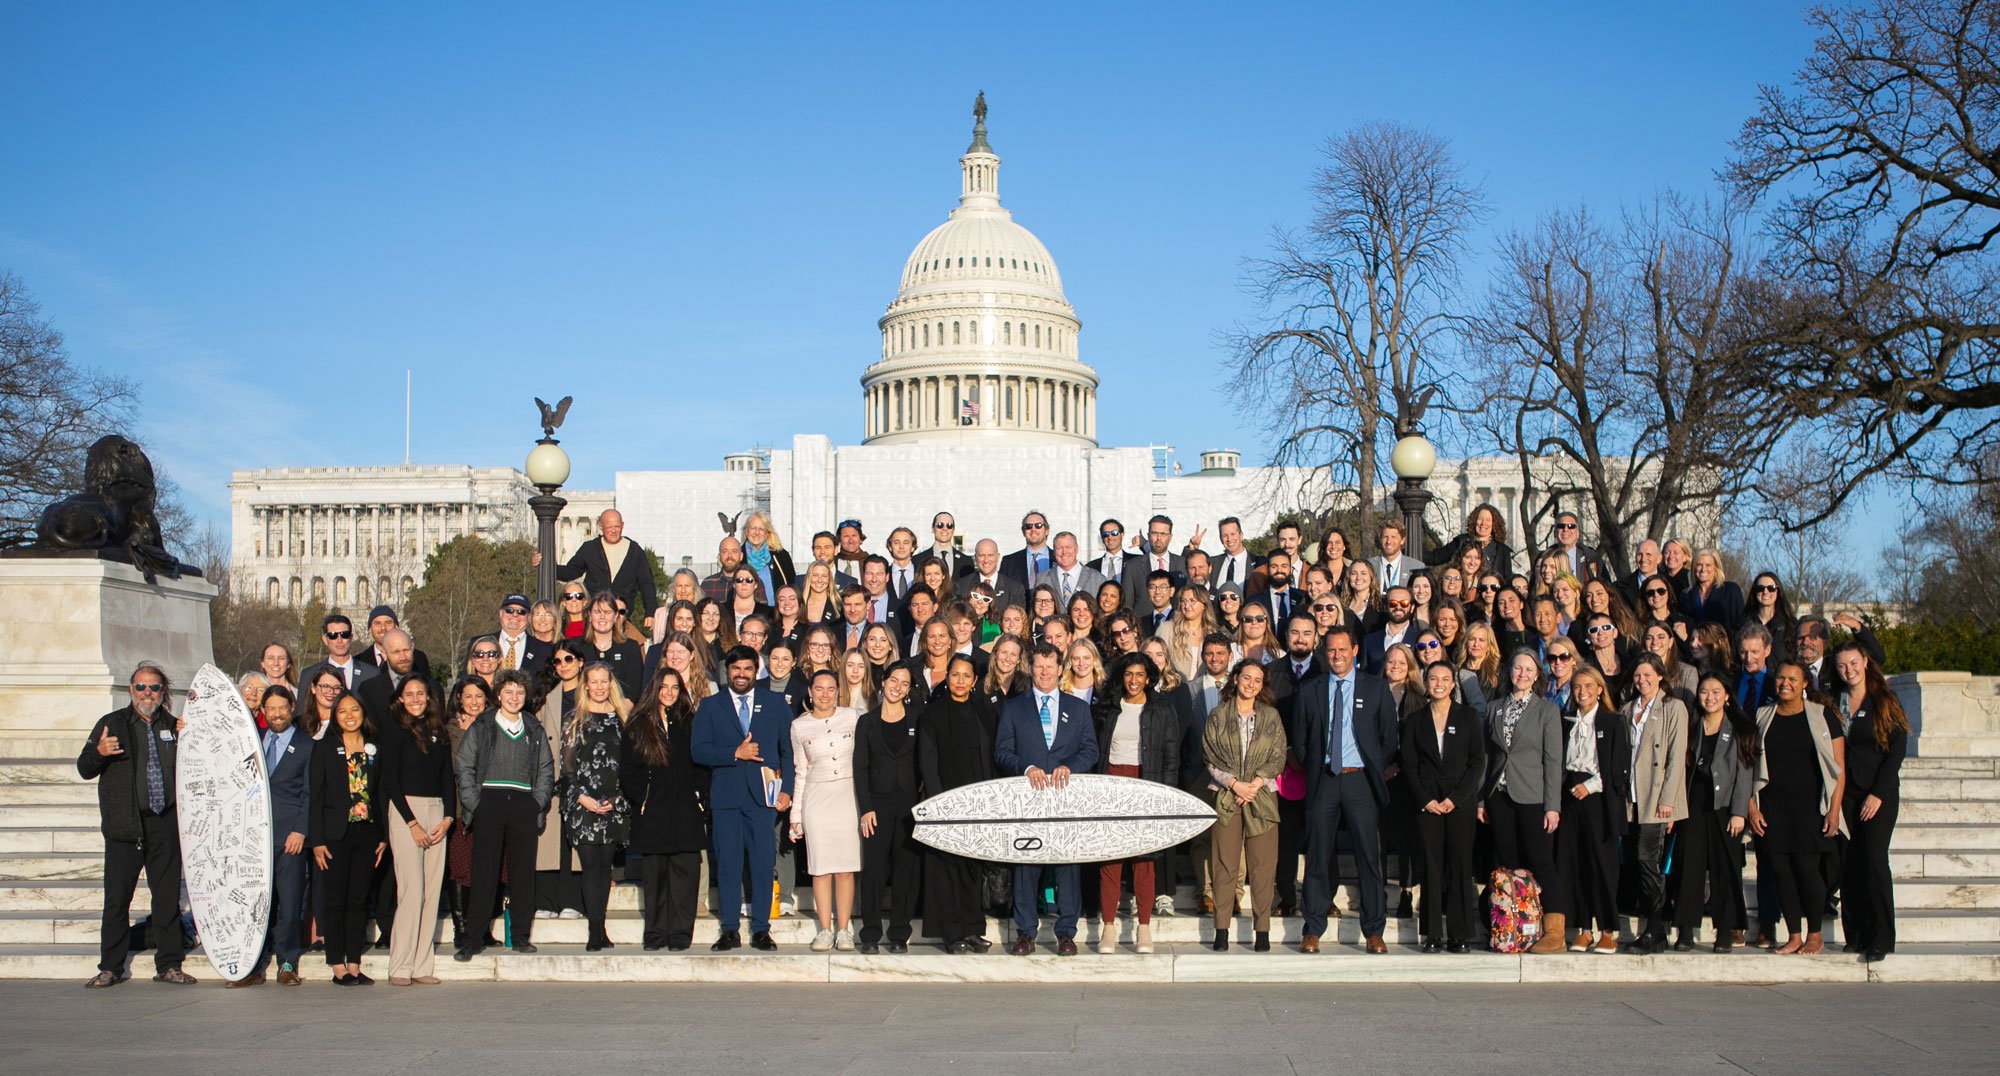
[1949,745]
[1938,766]
[1980,812]
[33,792]
[49,815]
[62,839]
[1942,836]
[33,771]
[41,745]
[1173,964]
[1917,789]
[31,865]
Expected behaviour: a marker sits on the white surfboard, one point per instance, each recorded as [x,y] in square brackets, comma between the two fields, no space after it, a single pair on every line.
[224,802]
[1095,819]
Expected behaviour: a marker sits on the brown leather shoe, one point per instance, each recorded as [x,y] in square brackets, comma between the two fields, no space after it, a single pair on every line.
[1309,944]
[1023,946]
[254,979]
[1376,945]
[175,976]
[104,979]
[1065,946]
[1208,905]
[288,978]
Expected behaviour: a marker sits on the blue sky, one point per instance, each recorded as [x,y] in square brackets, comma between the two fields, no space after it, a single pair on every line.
[690,217]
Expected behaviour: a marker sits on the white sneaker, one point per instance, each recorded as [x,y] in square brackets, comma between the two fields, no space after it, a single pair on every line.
[1163,905]
[823,941]
[788,907]
[844,941]
[570,913]
[746,911]
[544,913]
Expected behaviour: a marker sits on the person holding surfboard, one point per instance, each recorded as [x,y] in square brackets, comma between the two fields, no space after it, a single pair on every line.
[955,738]
[1045,735]
[1141,735]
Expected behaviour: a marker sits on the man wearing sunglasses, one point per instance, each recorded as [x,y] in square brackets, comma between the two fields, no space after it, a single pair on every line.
[1111,534]
[1034,557]
[944,548]
[130,754]
[1582,561]
[1400,627]
[336,632]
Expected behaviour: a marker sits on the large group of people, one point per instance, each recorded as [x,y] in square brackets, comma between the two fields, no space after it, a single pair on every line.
[1442,718]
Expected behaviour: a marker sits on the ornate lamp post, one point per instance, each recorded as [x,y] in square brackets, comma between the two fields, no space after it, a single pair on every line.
[547,470]
[1413,459]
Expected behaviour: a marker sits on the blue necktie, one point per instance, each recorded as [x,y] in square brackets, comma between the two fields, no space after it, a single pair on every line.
[1039,566]
[1048,725]
[270,753]
[743,713]
[1336,716]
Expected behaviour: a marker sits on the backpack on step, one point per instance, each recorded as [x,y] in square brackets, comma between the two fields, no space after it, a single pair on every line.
[1517,911]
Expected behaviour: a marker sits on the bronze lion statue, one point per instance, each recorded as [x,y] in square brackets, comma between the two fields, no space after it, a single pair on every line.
[115,510]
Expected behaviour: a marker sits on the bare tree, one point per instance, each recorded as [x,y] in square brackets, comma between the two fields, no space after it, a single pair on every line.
[1942,566]
[50,412]
[1879,320]
[1360,303]
[464,581]
[1597,356]
[1809,561]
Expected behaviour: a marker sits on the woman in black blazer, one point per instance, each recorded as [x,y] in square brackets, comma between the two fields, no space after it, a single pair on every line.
[885,790]
[1712,599]
[345,831]
[1444,760]
[668,797]
[1878,736]
[1597,781]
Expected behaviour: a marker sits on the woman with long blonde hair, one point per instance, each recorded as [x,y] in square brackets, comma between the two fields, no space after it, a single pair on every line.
[1083,672]
[594,817]
[1194,620]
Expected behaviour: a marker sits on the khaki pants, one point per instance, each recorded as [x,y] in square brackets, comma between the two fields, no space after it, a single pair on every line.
[419,881]
[1255,857]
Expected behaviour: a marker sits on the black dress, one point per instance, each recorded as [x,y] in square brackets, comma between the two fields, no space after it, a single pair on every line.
[1790,799]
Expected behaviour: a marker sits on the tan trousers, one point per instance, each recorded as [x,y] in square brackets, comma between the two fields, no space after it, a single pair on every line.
[419,881]
[1257,859]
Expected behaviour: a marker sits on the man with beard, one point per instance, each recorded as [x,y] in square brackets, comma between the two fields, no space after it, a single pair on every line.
[742,733]
[1400,627]
[1278,595]
[130,754]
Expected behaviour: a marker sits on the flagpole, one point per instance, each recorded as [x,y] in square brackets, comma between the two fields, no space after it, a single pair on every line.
[406,416]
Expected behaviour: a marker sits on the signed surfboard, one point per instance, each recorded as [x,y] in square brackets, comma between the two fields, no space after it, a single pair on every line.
[1095,819]
[224,803]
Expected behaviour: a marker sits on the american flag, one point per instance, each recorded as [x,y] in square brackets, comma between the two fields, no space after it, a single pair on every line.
[968,409]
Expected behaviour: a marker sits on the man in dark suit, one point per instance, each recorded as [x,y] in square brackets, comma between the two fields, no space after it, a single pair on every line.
[1157,607]
[518,649]
[943,549]
[1578,559]
[1399,626]
[1300,663]
[1344,735]
[985,568]
[1111,563]
[337,632]
[1756,682]
[1810,646]
[1645,565]
[1157,557]
[738,734]
[1235,564]
[287,761]
[1278,595]
[1392,567]
[378,693]
[381,619]
[611,562]
[1045,735]
[883,605]
[1034,557]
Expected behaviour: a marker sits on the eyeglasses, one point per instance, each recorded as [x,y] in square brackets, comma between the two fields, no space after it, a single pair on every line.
[1765,588]
[513,610]
[1656,592]
[575,597]
[486,655]
[1596,628]
[846,523]
[340,635]
[944,526]
[1565,526]
[1256,620]
[1489,587]
[1228,597]
[1553,658]
[1399,605]
[1126,630]
[743,581]
[1110,534]
[148,689]
[1328,607]
[1034,526]
[1432,645]
[979,597]
[567,659]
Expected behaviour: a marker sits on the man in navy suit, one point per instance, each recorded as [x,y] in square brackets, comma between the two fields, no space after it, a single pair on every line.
[737,733]
[1343,736]
[1045,736]
[287,760]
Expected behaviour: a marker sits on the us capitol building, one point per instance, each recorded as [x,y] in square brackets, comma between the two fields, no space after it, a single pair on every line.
[979,403]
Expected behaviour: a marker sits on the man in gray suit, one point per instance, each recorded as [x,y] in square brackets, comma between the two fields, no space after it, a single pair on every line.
[1157,556]
[1392,568]
[1067,576]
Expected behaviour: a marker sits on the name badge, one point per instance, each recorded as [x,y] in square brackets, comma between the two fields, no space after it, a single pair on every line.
[166,735]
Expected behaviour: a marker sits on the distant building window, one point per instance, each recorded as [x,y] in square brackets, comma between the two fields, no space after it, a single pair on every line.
[1038,336]
[927,335]
[1006,332]
[955,334]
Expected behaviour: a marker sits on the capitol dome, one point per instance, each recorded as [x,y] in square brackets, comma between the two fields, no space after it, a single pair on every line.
[980,342]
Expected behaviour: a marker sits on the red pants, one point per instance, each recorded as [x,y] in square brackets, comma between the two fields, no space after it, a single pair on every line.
[1109,874]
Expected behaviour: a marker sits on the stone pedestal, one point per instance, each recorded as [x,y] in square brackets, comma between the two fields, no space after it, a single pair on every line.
[1952,714]
[72,628]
